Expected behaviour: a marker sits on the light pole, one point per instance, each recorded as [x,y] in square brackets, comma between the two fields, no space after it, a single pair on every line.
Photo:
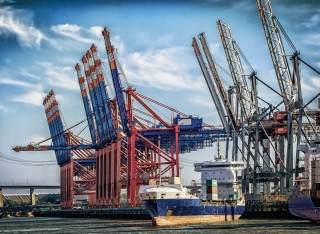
[181,167]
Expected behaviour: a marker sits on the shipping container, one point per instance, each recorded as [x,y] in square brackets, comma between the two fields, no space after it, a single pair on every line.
[213,190]
[174,180]
[212,197]
[315,179]
[212,183]
[280,131]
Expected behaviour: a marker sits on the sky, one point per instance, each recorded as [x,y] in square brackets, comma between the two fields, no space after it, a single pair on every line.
[41,41]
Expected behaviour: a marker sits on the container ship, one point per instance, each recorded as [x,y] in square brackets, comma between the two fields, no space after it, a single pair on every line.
[305,199]
[220,198]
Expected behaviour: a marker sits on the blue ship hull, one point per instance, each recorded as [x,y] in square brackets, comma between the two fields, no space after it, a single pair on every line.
[169,212]
[302,206]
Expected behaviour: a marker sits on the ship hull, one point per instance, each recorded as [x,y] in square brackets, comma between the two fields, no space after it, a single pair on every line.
[302,206]
[168,212]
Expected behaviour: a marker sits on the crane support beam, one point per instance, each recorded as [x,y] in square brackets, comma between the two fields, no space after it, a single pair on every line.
[50,147]
[156,116]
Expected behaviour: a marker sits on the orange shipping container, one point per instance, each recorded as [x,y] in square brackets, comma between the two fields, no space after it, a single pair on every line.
[213,190]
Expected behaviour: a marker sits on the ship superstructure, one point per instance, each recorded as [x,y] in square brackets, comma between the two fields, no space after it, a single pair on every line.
[225,173]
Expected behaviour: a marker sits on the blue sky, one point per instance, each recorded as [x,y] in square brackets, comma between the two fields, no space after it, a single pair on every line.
[41,41]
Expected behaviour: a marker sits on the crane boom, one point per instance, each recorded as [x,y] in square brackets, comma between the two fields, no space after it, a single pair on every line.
[103,91]
[86,104]
[277,52]
[211,86]
[217,79]
[116,80]
[237,74]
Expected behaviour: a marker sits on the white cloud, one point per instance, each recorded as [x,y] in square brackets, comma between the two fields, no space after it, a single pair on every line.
[96,30]
[163,69]
[150,41]
[307,88]
[202,101]
[315,81]
[313,21]
[33,98]
[71,31]
[58,76]
[4,108]
[9,81]
[75,37]
[26,73]
[312,39]
[19,23]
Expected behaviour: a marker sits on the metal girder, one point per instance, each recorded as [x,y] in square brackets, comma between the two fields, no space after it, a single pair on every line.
[277,52]
[223,95]
[211,86]
[237,74]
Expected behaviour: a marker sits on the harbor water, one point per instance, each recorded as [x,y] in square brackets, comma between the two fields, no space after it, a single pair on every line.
[71,225]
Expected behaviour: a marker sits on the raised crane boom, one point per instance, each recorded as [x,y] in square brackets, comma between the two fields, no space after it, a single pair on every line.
[116,80]
[277,52]
[217,80]
[86,104]
[237,74]
[211,86]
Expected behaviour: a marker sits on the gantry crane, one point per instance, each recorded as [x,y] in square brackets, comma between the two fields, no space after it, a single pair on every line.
[289,86]
[123,155]
[219,96]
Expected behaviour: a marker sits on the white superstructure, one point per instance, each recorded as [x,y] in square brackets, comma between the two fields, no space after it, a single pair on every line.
[224,171]
[169,191]
[311,153]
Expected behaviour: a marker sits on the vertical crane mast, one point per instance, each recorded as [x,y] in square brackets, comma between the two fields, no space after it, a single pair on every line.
[86,104]
[103,90]
[211,86]
[52,111]
[97,92]
[93,99]
[277,52]
[237,74]
[218,82]
[286,83]
[116,80]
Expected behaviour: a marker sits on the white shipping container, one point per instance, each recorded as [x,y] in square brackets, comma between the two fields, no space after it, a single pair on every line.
[184,122]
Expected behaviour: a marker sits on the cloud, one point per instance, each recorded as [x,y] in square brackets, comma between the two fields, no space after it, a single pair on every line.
[19,23]
[59,76]
[313,21]
[307,88]
[163,69]
[26,73]
[96,30]
[74,37]
[33,98]
[315,81]
[4,108]
[312,39]
[9,81]
[202,101]
[70,31]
